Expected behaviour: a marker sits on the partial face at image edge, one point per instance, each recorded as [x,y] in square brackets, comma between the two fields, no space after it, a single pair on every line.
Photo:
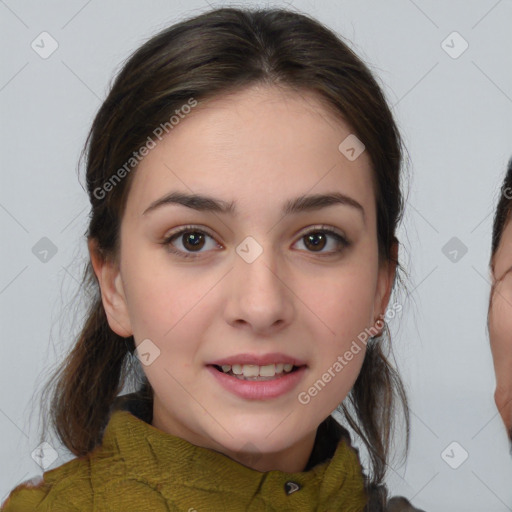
[500,306]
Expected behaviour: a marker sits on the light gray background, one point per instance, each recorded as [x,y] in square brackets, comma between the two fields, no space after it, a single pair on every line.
[456,118]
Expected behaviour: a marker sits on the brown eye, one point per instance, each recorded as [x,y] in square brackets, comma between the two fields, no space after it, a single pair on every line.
[193,240]
[317,240]
[189,242]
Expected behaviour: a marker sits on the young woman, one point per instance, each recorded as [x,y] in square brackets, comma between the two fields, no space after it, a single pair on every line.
[500,304]
[244,177]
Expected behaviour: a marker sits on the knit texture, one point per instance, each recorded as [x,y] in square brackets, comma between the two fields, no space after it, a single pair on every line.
[139,468]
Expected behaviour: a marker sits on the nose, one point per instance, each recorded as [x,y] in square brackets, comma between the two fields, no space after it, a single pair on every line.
[260,298]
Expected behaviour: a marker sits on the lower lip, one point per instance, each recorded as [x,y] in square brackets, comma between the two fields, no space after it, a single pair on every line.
[259,390]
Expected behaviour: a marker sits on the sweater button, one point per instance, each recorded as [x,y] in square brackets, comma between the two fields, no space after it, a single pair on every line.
[290,487]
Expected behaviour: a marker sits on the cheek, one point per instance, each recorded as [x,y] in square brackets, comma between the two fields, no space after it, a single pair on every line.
[170,310]
[344,300]
[162,299]
[500,326]
[500,333]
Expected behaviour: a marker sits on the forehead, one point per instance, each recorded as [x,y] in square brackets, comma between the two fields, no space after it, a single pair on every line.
[258,142]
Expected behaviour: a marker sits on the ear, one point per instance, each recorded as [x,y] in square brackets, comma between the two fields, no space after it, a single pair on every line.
[385,280]
[492,272]
[112,293]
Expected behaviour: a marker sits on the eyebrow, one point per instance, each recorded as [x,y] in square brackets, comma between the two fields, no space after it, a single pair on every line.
[304,203]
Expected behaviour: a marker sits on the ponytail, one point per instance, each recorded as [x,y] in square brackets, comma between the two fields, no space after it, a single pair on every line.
[88,381]
[373,400]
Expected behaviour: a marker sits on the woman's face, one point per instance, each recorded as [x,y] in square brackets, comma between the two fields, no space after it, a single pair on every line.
[500,326]
[250,284]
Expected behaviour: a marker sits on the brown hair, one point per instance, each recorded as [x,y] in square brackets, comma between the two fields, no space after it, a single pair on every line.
[503,210]
[217,52]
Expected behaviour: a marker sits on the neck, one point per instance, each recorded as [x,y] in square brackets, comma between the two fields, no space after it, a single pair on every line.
[292,459]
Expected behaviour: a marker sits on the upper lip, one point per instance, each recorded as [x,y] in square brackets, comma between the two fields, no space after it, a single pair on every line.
[259,360]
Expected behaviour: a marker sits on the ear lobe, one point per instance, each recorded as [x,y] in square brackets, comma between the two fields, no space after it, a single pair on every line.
[386,278]
[112,293]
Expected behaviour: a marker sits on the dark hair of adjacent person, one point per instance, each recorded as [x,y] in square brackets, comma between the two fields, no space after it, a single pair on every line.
[215,53]
[503,210]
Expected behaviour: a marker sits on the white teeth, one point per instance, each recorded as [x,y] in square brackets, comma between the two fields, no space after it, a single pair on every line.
[253,370]
[250,370]
[267,371]
[237,369]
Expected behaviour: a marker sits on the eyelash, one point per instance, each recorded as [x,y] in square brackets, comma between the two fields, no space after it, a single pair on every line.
[343,243]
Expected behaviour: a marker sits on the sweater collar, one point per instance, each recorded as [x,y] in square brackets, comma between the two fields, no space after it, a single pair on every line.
[338,480]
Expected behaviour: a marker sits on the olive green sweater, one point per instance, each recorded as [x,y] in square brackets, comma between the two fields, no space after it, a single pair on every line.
[139,468]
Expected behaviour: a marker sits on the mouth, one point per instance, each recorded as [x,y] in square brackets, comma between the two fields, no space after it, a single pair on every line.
[255,382]
[258,376]
[253,372]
